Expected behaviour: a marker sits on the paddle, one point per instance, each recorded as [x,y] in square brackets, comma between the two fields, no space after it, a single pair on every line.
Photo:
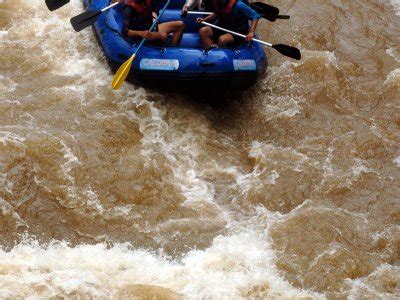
[124,69]
[268,12]
[271,18]
[88,18]
[286,50]
[55,4]
[264,8]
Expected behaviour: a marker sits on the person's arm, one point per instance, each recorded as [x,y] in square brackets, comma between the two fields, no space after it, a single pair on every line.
[209,18]
[188,5]
[251,14]
[252,30]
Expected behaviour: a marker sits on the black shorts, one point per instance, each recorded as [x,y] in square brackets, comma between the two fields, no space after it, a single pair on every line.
[237,40]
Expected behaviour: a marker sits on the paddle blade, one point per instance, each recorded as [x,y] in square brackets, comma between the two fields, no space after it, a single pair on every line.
[55,4]
[288,51]
[273,18]
[263,8]
[122,73]
[85,19]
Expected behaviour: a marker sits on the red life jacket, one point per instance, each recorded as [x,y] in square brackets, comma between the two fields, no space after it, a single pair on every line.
[138,15]
[223,9]
[140,7]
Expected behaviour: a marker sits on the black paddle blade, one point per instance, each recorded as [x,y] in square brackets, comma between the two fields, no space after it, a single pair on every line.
[55,4]
[265,9]
[286,17]
[288,51]
[85,19]
[268,12]
[273,18]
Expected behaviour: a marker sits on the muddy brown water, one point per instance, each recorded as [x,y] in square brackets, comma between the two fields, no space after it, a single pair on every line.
[291,190]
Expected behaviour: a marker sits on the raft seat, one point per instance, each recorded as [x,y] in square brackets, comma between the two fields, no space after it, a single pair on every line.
[191,40]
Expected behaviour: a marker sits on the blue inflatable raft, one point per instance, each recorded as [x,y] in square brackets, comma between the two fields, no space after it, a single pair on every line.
[187,65]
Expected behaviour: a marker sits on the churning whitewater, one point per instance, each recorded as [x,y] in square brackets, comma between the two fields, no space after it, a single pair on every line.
[290,190]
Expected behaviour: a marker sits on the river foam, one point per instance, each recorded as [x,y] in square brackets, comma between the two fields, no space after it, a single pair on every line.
[289,190]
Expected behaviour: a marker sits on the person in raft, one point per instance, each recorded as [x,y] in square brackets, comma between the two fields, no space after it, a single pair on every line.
[197,5]
[138,18]
[233,15]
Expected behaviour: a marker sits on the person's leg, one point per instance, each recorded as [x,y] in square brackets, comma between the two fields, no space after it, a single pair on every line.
[150,36]
[175,27]
[225,40]
[206,36]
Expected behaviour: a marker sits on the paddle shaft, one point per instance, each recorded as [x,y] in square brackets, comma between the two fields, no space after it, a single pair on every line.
[236,33]
[262,15]
[199,13]
[110,6]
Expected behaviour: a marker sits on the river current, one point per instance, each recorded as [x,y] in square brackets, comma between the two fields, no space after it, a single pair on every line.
[289,190]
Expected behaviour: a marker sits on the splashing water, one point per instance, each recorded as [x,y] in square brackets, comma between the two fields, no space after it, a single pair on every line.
[290,190]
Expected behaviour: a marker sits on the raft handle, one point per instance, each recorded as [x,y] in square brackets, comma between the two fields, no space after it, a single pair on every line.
[207,64]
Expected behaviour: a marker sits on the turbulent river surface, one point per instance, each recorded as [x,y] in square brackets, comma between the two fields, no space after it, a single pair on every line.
[290,190]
